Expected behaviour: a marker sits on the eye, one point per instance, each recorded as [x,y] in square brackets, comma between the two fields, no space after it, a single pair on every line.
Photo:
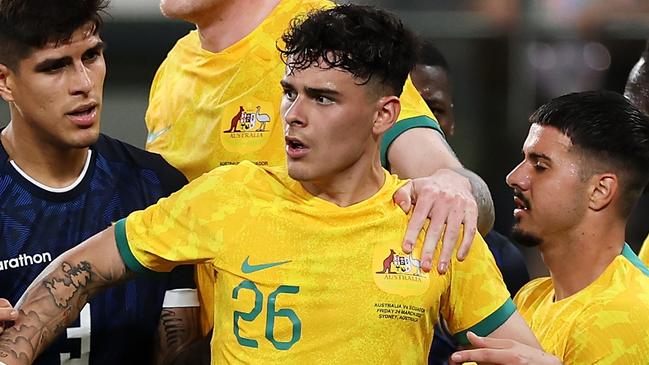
[290,94]
[539,166]
[323,100]
[91,55]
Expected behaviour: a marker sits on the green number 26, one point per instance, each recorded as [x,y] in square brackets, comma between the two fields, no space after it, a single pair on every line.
[270,318]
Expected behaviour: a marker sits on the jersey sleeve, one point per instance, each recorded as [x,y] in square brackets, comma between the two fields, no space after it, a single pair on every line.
[414,114]
[187,227]
[477,299]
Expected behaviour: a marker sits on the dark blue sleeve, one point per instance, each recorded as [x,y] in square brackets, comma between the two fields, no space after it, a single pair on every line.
[510,261]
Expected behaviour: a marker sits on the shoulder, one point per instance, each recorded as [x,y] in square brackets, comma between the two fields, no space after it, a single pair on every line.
[532,291]
[136,159]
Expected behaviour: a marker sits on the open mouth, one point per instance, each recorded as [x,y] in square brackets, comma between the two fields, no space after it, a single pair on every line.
[520,202]
[83,111]
[295,144]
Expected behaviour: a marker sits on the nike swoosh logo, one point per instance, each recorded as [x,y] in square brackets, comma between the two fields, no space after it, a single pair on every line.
[246,268]
[154,135]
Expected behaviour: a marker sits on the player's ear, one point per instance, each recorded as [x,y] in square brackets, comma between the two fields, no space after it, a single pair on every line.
[5,83]
[388,111]
[603,189]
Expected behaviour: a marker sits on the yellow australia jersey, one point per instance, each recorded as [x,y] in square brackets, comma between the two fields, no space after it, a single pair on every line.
[302,280]
[604,323]
[213,109]
[644,251]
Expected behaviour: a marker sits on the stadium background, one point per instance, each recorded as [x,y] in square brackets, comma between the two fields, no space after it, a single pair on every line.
[506,57]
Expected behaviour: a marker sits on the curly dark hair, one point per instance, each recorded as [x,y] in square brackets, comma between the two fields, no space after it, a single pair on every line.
[26,25]
[608,130]
[363,40]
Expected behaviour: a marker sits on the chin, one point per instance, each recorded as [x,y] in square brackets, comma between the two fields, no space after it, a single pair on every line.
[525,238]
[85,139]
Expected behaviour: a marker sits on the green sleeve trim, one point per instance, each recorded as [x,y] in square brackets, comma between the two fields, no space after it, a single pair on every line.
[628,254]
[421,121]
[489,324]
[125,251]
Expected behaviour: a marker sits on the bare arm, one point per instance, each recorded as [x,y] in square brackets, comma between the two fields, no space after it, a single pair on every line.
[450,194]
[179,337]
[55,298]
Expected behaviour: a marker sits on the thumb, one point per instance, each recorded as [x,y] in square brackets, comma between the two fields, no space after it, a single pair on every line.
[402,197]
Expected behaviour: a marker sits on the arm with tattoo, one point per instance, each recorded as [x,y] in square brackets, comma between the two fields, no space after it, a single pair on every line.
[55,298]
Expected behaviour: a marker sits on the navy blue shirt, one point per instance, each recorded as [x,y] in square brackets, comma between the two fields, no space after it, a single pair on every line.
[38,224]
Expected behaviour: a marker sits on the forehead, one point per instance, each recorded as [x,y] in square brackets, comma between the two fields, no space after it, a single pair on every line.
[320,76]
[432,82]
[546,140]
[82,38]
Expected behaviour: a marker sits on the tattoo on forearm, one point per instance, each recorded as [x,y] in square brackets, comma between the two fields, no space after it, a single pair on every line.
[50,304]
[62,290]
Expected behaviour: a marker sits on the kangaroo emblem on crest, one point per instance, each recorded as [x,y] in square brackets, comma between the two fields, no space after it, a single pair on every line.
[235,121]
[387,263]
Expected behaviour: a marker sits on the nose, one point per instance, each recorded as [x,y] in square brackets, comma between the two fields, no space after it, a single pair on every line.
[293,112]
[80,82]
[519,177]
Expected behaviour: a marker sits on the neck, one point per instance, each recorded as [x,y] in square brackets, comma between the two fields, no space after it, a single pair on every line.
[353,185]
[231,21]
[578,258]
[51,165]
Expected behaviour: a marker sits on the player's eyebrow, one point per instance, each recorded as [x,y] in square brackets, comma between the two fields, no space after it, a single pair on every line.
[51,63]
[538,156]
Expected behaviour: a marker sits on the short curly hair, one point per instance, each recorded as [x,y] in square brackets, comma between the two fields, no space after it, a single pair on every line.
[26,25]
[365,41]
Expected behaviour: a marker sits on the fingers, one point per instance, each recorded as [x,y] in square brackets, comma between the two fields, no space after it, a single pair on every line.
[403,197]
[416,223]
[433,234]
[470,228]
[492,356]
[7,312]
[496,343]
[490,350]
[452,231]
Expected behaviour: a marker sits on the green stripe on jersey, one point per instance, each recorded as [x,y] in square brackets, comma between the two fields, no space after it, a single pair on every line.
[489,324]
[125,251]
[628,253]
[401,126]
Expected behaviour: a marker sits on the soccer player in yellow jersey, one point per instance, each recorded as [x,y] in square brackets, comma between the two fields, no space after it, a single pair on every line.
[584,167]
[308,255]
[637,91]
[215,101]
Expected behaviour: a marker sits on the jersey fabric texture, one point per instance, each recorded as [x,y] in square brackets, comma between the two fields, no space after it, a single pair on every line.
[301,279]
[511,263]
[644,251]
[604,323]
[213,109]
[37,225]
